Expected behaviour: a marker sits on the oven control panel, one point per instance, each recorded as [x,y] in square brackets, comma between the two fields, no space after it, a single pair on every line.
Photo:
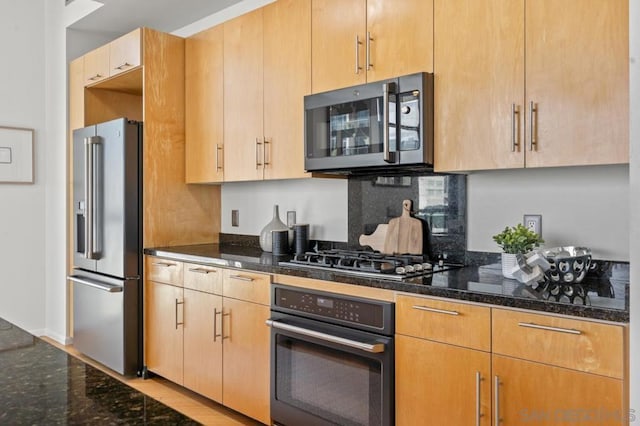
[329,306]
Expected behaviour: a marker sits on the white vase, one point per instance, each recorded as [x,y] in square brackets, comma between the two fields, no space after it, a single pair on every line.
[509,262]
[275,225]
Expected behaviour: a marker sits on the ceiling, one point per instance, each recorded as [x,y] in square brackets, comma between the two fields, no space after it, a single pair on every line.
[118,17]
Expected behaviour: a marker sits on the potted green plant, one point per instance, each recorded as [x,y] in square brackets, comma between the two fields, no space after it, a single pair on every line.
[515,240]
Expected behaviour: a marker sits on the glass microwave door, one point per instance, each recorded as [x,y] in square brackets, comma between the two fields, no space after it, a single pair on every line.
[349,129]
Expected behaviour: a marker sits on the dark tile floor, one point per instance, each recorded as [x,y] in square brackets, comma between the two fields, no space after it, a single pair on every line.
[42,385]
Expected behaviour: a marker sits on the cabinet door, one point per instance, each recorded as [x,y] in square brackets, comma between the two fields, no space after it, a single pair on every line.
[124,52]
[401,38]
[287,78]
[532,393]
[479,79]
[96,65]
[246,358]
[243,98]
[204,106]
[203,343]
[338,60]
[163,330]
[440,384]
[577,56]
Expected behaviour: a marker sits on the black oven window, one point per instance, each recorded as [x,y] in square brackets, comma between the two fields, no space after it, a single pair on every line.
[337,386]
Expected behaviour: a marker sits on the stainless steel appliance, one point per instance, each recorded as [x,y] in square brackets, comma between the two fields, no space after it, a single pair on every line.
[369,263]
[381,124]
[332,359]
[107,252]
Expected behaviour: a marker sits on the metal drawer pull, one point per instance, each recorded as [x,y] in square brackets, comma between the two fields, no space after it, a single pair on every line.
[95,77]
[228,314]
[496,390]
[438,311]
[549,328]
[358,43]
[241,278]
[369,40]
[258,145]
[163,264]
[123,66]
[178,323]
[94,284]
[218,149]
[515,112]
[478,408]
[202,271]
[533,110]
[215,323]
[375,348]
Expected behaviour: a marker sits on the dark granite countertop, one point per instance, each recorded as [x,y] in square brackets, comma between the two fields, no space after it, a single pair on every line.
[43,385]
[606,290]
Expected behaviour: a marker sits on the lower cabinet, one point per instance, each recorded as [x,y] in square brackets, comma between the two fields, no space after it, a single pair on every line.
[441,384]
[199,338]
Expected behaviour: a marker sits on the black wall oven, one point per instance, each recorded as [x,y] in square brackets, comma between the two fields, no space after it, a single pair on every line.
[387,123]
[332,359]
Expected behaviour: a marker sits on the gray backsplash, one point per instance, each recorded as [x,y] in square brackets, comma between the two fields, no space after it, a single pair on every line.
[439,200]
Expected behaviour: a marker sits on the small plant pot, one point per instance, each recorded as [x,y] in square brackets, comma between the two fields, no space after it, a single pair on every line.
[509,262]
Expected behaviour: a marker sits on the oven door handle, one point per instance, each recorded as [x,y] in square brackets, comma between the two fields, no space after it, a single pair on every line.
[375,348]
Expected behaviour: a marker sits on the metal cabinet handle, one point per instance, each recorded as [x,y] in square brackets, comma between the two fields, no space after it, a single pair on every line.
[258,145]
[266,160]
[228,314]
[202,271]
[515,122]
[163,264]
[367,347]
[96,77]
[387,90]
[216,312]
[496,403]
[479,414]
[358,43]
[218,149]
[549,328]
[178,323]
[438,311]
[369,40]
[241,278]
[533,111]
[123,66]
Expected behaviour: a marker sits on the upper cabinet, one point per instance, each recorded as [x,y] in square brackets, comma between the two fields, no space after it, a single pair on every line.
[267,66]
[204,107]
[530,83]
[113,58]
[355,41]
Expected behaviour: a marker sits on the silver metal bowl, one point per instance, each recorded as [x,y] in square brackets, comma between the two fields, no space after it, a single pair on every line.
[568,265]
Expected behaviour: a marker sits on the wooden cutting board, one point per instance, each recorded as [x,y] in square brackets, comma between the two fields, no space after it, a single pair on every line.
[376,239]
[404,233]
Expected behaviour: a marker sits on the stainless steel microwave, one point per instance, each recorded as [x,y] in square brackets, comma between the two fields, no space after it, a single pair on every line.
[383,124]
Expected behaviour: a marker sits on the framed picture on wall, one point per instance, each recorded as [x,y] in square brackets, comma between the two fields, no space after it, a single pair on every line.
[16,155]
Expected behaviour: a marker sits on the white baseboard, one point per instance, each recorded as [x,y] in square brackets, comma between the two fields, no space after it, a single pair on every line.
[62,339]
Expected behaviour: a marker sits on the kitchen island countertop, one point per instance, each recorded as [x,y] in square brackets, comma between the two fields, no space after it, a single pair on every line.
[606,290]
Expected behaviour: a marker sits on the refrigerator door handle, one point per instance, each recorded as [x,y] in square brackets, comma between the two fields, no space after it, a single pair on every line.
[96,284]
[89,196]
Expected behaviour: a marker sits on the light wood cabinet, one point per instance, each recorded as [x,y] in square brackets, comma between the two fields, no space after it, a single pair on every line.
[438,365]
[217,343]
[96,65]
[124,52]
[204,106]
[531,68]
[163,330]
[355,41]
[267,69]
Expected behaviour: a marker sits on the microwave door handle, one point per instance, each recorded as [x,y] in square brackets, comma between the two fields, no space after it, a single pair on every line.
[387,89]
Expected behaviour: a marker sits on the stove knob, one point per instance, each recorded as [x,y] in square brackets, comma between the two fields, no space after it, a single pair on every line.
[400,270]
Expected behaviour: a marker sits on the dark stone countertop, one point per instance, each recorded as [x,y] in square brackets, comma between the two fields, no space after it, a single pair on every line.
[43,385]
[606,289]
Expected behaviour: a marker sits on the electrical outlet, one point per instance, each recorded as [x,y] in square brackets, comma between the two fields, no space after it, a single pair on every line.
[235,218]
[533,222]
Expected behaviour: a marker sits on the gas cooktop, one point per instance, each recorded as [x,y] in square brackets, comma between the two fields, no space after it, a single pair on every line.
[369,263]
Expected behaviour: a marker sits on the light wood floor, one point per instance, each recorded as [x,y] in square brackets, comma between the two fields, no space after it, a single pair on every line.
[197,407]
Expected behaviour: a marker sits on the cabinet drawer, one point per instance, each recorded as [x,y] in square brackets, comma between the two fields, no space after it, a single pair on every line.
[163,271]
[448,322]
[203,278]
[247,286]
[580,345]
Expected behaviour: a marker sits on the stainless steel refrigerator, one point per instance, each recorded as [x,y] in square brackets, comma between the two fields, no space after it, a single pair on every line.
[107,252]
